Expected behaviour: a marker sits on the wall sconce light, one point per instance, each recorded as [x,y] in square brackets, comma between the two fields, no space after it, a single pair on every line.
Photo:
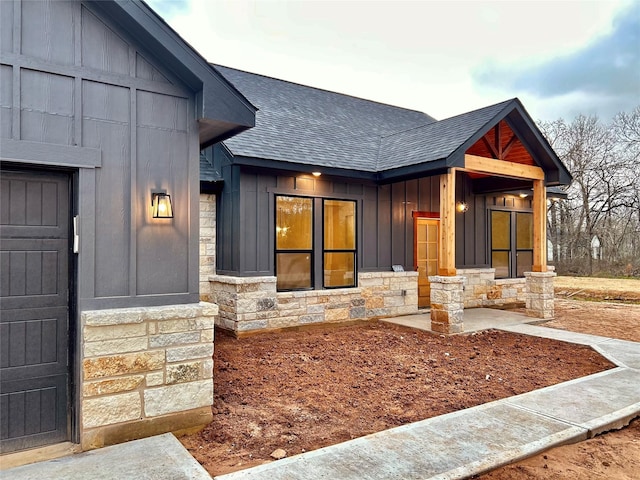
[161,205]
[524,195]
[462,207]
[316,174]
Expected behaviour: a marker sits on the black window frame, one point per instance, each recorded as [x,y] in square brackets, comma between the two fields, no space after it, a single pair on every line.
[285,251]
[513,250]
[355,244]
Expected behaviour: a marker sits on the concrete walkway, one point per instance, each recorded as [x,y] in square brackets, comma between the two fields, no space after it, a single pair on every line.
[456,445]
[155,458]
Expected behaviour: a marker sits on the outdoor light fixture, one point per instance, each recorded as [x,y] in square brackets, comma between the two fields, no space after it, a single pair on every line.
[316,174]
[462,207]
[161,205]
[524,195]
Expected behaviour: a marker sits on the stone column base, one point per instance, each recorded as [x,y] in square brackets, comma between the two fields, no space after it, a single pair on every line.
[447,308]
[540,296]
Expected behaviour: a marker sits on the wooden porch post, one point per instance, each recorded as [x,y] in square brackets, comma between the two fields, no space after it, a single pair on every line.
[447,249]
[539,226]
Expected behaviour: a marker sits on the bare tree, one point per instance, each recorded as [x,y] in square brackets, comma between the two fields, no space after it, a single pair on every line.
[604,197]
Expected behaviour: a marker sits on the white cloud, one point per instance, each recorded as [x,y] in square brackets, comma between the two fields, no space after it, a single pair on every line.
[416,54]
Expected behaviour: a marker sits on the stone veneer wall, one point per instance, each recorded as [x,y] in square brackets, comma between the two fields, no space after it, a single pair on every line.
[207,244]
[481,289]
[145,371]
[252,303]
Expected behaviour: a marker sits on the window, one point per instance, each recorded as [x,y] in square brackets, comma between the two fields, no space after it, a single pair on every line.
[339,243]
[511,243]
[294,243]
[299,265]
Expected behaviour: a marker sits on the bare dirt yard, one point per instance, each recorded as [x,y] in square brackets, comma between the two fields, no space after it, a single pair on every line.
[299,390]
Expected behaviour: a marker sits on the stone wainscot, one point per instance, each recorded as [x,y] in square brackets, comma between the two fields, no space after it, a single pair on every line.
[145,371]
[252,303]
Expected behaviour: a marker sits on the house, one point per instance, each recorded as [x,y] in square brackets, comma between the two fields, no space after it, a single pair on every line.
[103,112]
[336,208]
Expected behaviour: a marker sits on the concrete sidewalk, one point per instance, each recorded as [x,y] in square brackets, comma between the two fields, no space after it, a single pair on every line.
[155,458]
[451,446]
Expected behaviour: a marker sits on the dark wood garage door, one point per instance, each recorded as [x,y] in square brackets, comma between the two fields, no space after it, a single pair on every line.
[34,313]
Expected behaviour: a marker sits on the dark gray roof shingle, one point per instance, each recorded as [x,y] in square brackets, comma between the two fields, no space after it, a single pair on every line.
[436,140]
[303,125]
[306,125]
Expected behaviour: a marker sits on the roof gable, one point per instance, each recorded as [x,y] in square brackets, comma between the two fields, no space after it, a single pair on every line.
[222,109]
[435,141]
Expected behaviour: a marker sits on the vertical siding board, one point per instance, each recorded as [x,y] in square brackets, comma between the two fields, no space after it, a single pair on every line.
[192,189]
[248,223]
[411,203]
[133,191]
[384,226]
[398,221]
[106,126]
[264,236]
[370,233]
[235,219]
[480,230]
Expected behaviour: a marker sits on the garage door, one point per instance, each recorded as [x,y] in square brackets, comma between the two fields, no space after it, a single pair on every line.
[34,316]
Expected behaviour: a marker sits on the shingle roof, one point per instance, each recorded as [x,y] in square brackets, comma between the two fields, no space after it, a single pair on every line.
[434,141]
[303,125]
[306,125]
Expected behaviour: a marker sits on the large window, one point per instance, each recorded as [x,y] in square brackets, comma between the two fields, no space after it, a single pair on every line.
[339,243]
[511,243]
[300,264]
[294,243]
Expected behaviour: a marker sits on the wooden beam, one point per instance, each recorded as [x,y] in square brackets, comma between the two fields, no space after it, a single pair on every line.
[447,247]
[539,226]
[474,163]
[499,141]
[508,146]
[490,146]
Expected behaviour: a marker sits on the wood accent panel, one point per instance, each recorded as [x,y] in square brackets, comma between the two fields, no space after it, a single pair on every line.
[502,143]
[420,214]
[539,226]
[474,163]
[447,247]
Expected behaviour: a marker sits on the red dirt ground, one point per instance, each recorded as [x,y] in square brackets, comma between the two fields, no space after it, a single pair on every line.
[302,390]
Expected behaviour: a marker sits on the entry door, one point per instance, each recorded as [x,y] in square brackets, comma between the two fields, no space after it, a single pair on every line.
[426,256]
[34,313]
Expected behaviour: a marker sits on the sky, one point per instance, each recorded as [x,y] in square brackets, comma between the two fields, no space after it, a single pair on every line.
[561,58]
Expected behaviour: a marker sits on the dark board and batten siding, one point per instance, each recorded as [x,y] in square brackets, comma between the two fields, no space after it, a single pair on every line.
[73,80]
[245,224]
